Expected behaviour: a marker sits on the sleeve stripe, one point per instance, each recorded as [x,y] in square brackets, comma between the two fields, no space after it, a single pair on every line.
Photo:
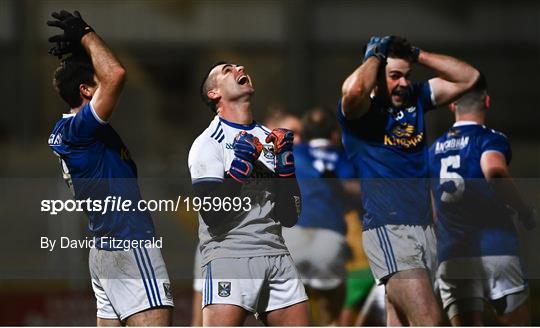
[96,115]
[431,95]
[206,179]
[220,133]
[216,130]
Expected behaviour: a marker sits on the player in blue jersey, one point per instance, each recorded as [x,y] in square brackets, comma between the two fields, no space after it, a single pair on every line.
[478,245]
[317,243]
[381,113]
[131,284]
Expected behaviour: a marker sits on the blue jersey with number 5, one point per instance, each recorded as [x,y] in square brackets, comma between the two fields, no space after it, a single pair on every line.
[471,220]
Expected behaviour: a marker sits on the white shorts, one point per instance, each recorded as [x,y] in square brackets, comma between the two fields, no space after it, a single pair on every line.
[198,281]
[258,284]
[320,256]
[487,277]
[128,282]
[394,248]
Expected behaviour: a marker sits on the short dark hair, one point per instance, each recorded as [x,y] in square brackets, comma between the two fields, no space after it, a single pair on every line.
[72,72]
[318,123]
[205,86]
[401,48]
[473,100]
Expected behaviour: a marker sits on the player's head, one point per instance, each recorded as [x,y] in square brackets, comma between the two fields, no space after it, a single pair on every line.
[74,80]
[319,123]
[475,101]
[394,76]
[225,82]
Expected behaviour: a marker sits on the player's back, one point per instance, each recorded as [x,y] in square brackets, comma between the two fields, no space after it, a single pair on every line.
[96,164]
[471,220]
[320,170]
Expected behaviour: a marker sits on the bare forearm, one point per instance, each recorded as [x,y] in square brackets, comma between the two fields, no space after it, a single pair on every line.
[357,88]
[505,189]
[107,67]
[449,68]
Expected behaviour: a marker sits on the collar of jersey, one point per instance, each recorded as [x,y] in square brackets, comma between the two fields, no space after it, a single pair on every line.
[462,123]
[68,115]
[239,126]
[317,143]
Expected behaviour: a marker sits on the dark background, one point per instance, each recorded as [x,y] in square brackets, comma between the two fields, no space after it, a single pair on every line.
[298,53]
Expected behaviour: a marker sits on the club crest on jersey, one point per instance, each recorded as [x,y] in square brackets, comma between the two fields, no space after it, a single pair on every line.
[268,152]
[168,290]
[224,288]
[404,130]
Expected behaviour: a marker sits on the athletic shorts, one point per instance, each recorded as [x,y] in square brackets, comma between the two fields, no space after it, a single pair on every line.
[320,256]
[489,278]
[128,282]
[395,248]
[359,284]
[198,281]
[258,284]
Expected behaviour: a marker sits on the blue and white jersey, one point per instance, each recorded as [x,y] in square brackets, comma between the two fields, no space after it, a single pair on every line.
[388,148]
[471,220]
[96,164]
[319,168]
[254,231]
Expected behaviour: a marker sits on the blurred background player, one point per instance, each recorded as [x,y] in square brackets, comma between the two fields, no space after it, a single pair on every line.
[364,303]
[246,265]
[96,164]
[279,118]
[382,114]
[478,248]
[317,243]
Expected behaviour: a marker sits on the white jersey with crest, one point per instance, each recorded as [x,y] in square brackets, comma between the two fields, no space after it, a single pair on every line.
[250,233]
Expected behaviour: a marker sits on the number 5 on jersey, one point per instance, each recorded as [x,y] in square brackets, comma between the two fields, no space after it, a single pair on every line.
[446,177]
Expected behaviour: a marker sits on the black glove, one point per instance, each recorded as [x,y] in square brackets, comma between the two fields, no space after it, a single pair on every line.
[65,47]
[73,25]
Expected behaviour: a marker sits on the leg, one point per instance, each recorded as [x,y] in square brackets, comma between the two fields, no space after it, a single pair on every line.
[152,317]
[393,317]
[329,303]
[472,318]
[410,292]
[373,312]
[519,315]
[466,312]
[196,312]
[223,315]
[108,322]
[294,315]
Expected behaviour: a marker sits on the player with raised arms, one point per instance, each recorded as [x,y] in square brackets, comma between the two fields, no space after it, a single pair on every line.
[382,113]
[246,265]
[96,164]
[478,248]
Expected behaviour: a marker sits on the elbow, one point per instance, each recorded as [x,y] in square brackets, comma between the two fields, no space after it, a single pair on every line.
[118,74]
[474,78]
[115,77]
[352,100]
[496,173]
